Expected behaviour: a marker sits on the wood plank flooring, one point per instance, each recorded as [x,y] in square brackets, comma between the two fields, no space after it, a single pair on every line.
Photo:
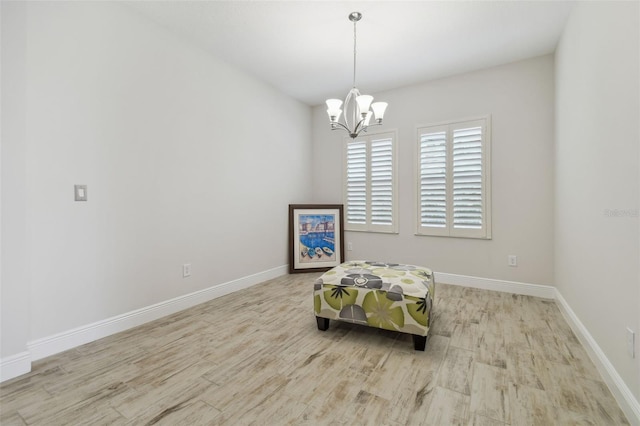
[256,357]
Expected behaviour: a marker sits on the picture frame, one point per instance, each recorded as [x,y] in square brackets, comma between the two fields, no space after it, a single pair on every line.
[316,237]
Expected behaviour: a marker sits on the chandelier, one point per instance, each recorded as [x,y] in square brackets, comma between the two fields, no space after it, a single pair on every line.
[358,109]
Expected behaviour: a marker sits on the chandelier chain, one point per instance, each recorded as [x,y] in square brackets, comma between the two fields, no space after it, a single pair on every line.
[354,53]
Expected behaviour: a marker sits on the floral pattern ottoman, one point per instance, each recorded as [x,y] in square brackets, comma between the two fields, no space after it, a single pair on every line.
[390,296]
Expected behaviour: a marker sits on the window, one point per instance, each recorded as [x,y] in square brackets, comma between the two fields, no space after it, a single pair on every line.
[370,183]
[454,179]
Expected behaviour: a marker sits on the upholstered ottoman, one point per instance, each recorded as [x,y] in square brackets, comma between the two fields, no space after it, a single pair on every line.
[382,295]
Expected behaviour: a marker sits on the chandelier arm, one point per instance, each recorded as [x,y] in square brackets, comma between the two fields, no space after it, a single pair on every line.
[359,127]
[364,128]
[353,134]
[357,133]
[336,124]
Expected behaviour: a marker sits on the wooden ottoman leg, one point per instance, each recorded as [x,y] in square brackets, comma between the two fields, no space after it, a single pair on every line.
[419,342]
[323,323]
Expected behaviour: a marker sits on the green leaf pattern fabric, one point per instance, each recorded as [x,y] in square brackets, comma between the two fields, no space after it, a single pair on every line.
[380,311]
[390,296]
[338,296]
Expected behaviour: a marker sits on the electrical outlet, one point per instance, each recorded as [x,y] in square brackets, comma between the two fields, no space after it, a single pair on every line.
[186,270]
[349,246]
[631,343]
[512,260]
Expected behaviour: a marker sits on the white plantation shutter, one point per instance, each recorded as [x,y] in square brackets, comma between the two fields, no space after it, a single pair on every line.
[356,197]
[382,182]
[433,182]
[454,191]
[467,178]
[370,183]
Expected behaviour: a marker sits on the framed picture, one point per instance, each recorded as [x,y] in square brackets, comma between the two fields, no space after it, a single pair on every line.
[316,235]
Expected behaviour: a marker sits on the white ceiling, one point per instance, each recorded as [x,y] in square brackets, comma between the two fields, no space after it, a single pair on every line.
[305,48]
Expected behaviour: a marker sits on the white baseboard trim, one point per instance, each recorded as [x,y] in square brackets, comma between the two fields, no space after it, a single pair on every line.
[15,365]
[60,342]
[621,392]
[525,289]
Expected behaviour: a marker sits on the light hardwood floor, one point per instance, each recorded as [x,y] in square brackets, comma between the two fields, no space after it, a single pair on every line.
[256,356]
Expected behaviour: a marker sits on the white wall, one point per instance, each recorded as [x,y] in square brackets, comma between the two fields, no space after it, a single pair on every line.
[519,97]
[14,288]
[597,115]
[186,160]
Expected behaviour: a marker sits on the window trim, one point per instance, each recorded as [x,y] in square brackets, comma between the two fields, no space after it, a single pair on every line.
[368,226]
[449,230]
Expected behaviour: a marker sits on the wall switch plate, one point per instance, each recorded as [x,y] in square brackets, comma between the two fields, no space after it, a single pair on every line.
[349,246]
[631,343]
[186,270]
[512,260]
[80,192]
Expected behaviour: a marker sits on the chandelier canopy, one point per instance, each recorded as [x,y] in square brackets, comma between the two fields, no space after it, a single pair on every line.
[358,109]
